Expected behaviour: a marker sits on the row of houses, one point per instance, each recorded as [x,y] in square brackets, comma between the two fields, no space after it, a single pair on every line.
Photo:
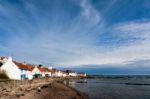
[21,71]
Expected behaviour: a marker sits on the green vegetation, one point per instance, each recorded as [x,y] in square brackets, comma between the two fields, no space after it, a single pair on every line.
[3,75]
[1,64]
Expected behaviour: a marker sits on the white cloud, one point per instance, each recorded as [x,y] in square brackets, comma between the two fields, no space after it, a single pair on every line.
[76,45]
[136,29]
[68,50]
[89,12]
[134,50]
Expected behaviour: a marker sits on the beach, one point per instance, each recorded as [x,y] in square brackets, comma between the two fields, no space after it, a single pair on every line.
[50,88]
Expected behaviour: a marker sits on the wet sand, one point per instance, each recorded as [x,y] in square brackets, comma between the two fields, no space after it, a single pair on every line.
[50,89]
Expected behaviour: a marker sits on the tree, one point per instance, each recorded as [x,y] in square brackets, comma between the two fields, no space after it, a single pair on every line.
[40,65]
[68,71]
[3,75]
[1,64]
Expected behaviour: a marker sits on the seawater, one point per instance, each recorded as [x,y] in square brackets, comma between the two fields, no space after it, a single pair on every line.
[107,88]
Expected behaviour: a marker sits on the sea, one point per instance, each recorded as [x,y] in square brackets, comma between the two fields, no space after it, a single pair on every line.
[114,87]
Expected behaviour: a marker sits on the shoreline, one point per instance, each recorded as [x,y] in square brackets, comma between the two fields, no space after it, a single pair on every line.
[51,88]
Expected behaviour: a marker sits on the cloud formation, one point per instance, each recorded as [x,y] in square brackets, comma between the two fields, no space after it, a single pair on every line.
[73,33]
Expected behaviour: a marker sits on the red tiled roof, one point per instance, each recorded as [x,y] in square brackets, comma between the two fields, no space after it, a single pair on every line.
[53,70]
[42,69]
[30,67]
[24,66]
[49,70]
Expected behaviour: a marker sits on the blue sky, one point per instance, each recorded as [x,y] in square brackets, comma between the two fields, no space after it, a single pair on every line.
[77,33]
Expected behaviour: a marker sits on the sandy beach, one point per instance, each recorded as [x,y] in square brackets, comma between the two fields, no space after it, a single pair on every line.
[50,89]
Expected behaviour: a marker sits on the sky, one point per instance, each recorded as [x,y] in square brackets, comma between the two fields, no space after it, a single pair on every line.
[77,33]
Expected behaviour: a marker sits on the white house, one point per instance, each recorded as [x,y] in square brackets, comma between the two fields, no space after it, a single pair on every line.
[64,74]
[50,68]
[11,68]
[29,71]
[49,72]
[16,70]
[41,71]
[82,74]
[59,73]
[73,74]
[26,70]
[36,71]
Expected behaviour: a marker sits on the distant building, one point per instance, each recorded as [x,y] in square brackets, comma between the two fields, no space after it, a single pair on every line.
[53,72]
[50,68]
[41,71]
[21,71]
[73,74]
[36,72]
[82,74]
[59,73]
[64,74]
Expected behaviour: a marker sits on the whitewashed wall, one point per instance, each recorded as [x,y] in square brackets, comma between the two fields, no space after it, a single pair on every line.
[11,69]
